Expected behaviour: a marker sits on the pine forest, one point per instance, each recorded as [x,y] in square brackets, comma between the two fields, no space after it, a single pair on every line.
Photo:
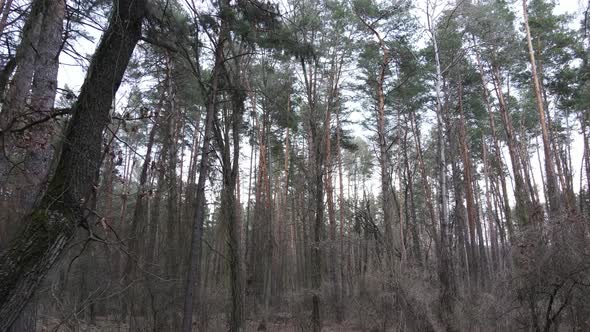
[294,165]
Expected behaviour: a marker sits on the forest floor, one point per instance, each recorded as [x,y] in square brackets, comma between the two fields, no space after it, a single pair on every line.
[106,325]
[294,327]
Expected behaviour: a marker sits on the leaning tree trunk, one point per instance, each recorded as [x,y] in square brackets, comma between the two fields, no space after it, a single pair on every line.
[497,151]
[49,229]
[552,186]
[521,193]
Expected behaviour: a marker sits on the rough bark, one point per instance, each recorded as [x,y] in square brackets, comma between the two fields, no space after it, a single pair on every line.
[229,210]
[40,150]
[14,113]
[20,85]
[48,230]
[35,144]
[317,159]
[5,7]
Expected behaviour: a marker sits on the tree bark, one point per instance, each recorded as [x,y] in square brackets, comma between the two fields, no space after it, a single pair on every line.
[44,21]
[137,231]
[194,270]
[40,150]
[552,186]
[523,199]
[37,141]
[172,223]
[410,208]
[48,230]
[445,266]
[497,151]
[317,158]
[229,210]
[468,183]
[6,6]
[20,85]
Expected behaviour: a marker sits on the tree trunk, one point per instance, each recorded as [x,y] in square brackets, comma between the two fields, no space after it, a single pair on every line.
[39,151]
[425,183]
[21,82]
[230,176]
[137,232]
[172,222]
[334,269]
[489,208]
[38,66]
[6,6]
[316,182]
[445,265]
[340,203]
[523,200]
[497,151]
[194,270]
[552,186]
[410,208]
[468,183]
[49,229]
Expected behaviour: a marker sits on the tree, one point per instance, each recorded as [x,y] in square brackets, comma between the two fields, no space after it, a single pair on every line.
[50,227]
[197,232]
[552,186]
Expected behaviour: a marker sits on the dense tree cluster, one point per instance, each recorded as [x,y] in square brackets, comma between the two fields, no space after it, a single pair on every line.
[302,165]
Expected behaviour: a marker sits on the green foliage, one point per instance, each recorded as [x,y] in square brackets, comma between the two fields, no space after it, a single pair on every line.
[490,24]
